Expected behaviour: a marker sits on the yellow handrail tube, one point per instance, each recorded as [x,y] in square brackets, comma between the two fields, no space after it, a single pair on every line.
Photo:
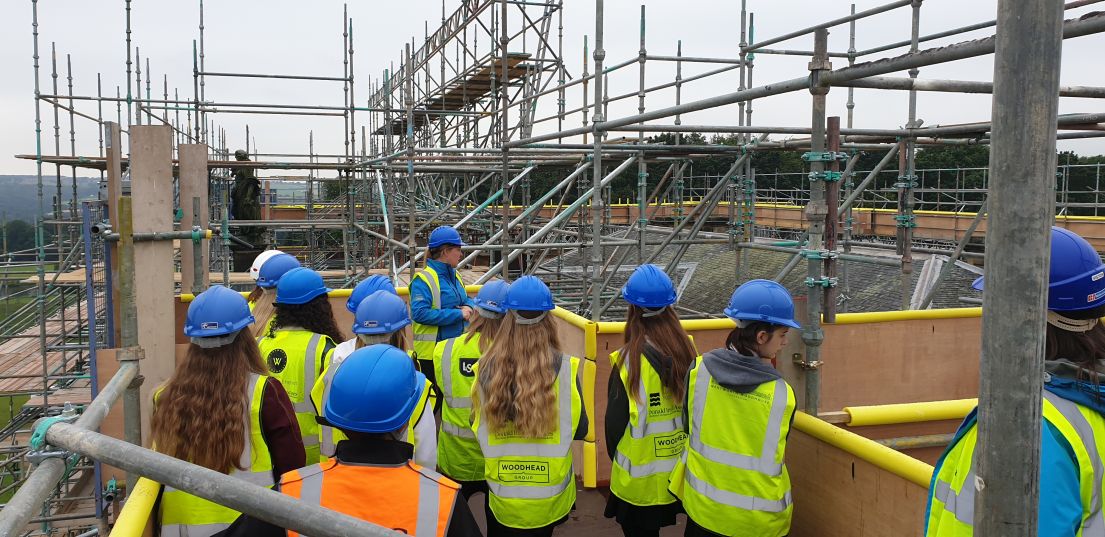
[910,412]
[136,512]
[892,461]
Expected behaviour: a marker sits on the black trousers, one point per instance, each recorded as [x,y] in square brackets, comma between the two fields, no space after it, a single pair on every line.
[495,529]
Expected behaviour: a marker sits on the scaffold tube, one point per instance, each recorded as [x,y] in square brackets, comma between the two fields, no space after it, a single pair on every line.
[877,454]
[909,412]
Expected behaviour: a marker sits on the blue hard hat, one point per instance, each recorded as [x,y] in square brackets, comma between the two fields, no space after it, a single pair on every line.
[764,301]
[299,286]
[381,313]
[374,390]
[218,311]
[529,293]
[1077,277]
[374,283]
[649,287]
[492,296]
[443,235]
[274,268]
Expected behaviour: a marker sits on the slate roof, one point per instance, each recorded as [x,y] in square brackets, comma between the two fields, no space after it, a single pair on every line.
[707,276]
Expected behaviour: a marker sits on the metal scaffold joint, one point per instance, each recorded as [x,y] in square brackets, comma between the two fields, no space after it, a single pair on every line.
[906,181]
[40,450]
[819,254]
[824,156]
[821,282]
[828,176]
[905,220]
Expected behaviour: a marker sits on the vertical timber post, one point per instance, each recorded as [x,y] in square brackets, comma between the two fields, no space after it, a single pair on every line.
[1022,171]
[193,185]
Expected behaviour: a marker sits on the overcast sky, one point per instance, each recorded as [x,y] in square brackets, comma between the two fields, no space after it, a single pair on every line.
[294,37]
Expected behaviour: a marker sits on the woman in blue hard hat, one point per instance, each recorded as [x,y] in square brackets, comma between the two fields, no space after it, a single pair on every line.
[1071,468]
[380,318]
[298,345]
[458,452]
[527,409]
[737,414]
[439,304]
[644,406]
[373,393]
[266,271]
[247,427]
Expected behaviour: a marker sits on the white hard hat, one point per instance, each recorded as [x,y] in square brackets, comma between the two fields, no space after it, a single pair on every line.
[255,270]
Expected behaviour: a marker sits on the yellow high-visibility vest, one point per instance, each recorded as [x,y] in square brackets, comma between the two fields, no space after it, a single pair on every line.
[458,451]
[732,477]
[184,515]
[531,480]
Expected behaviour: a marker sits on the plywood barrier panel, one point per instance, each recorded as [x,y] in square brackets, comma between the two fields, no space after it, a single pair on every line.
[899,362]
[929,454]
[836,493]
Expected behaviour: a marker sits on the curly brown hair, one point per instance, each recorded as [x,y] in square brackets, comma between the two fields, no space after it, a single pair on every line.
[197,415]
[315,316]
[517,374]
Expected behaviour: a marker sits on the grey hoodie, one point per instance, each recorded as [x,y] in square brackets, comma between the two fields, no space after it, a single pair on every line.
[736,371]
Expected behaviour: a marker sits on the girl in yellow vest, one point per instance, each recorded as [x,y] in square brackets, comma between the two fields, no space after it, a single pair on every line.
[1072,435]
[644,409]
[458,452]
[380,318]
[246,426]
[527,409]
[266,271]
[738,411]
[298,345]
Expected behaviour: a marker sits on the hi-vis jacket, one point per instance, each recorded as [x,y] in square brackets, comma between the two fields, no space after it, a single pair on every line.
[1071,446]
[436,297]
[296,358]
[531,480]
[185,515]
[458,452]
[731,477]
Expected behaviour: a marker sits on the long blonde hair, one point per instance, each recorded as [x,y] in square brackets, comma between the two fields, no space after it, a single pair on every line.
[198,414]
[516,377]
[263,309]
[486,328]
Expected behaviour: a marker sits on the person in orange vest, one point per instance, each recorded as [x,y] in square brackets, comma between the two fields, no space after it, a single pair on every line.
[371,476]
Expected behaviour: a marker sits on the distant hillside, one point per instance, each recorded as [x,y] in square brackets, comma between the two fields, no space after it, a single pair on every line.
[19,197]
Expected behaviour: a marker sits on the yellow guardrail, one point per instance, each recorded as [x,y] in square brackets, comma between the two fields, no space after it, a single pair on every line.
[136,512]
[957,409]
[873,452]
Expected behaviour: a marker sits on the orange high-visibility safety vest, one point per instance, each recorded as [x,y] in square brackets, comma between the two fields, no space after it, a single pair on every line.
[407,498]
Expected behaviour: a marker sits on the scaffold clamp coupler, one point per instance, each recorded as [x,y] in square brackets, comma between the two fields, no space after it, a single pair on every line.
[821,282]
[39,451]
[824,156]
[818,254]
[906,181]
[905,220]
[827,176]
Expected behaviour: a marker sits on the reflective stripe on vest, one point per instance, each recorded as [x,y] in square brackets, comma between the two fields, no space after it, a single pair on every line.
[531,479]
[425,335]
[528,449]
[1071,422]
[179,509]
[1092,522]
[447,377]
[765,463]
[429,519]
[653,439]
[730,475]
